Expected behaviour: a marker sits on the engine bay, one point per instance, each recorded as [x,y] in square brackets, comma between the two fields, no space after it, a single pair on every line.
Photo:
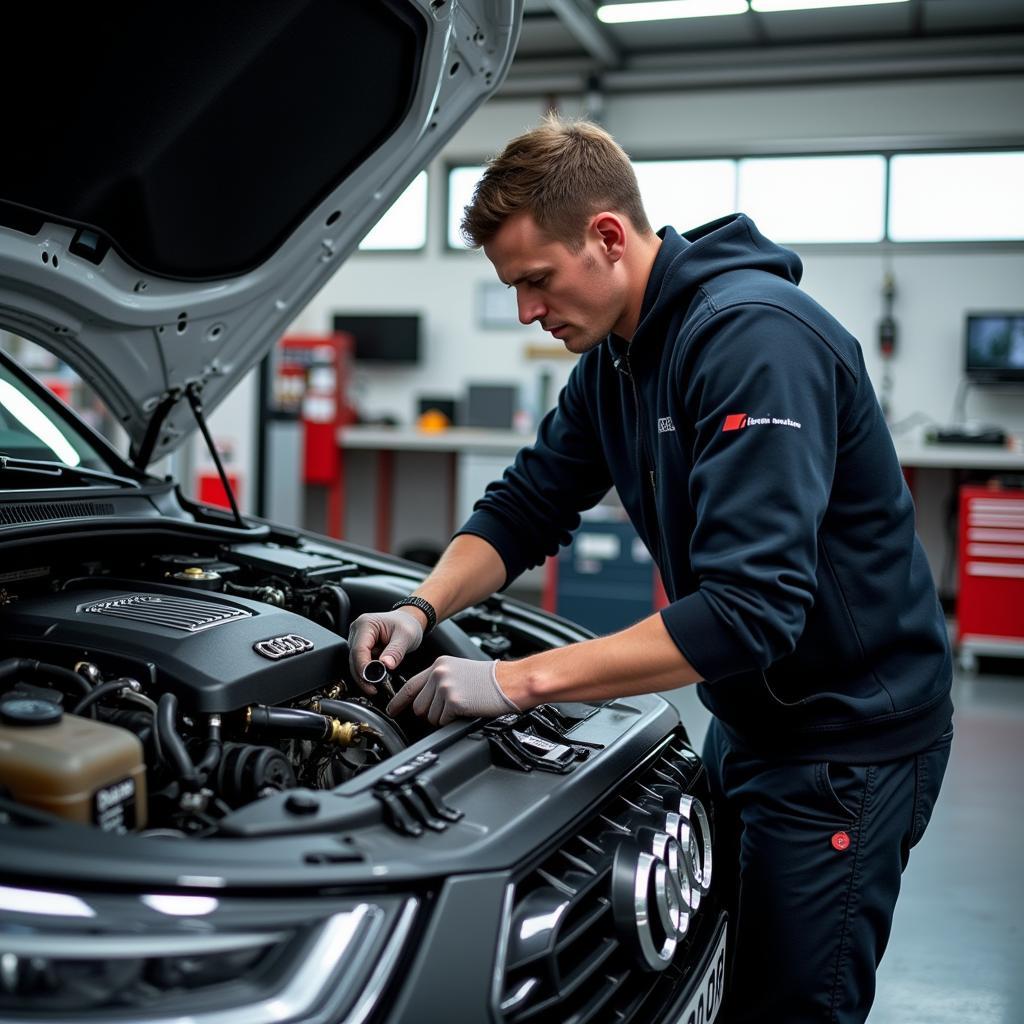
[159,693]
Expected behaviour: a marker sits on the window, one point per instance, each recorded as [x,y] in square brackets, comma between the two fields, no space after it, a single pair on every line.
[945,197]
[404,226]
[461,182]
[29,428]
[815,198]
[686,193]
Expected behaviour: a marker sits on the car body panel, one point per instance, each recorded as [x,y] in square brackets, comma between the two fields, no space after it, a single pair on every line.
[140,336]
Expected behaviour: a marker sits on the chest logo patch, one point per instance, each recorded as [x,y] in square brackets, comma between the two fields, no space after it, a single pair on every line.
[740,420]
[665,425]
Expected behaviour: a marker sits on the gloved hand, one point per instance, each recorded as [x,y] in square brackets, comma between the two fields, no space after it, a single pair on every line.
[398,632]
[454,688]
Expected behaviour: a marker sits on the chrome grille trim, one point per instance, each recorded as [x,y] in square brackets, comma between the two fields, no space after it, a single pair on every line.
[562,957]
[181,613]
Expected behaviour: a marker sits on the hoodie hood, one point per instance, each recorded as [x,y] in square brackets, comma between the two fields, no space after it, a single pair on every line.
[685,262]
[202,171]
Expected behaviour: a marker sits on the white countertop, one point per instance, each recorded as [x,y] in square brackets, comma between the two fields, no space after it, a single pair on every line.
[922,454]
[454,439]
[911,451]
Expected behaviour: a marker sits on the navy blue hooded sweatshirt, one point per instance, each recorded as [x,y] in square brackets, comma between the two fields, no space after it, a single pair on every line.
[744,438]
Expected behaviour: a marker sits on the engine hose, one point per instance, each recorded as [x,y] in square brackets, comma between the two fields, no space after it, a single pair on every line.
[287,722]
[264,593]
[171,742]
[110,686]
[211,756]
[391,737]
[342,608]
[32,667]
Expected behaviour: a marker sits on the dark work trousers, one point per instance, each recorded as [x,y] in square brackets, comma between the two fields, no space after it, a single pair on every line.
[821,847]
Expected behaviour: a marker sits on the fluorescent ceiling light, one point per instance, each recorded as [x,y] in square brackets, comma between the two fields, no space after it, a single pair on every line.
[771,6]
[661,10]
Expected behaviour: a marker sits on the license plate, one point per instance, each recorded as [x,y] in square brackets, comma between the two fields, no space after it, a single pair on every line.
[707,996]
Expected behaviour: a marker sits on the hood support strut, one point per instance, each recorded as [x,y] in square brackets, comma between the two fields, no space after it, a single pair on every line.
[169,400]
[192,394]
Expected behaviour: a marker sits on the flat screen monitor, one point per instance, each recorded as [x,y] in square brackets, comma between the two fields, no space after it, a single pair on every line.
[994,349]
[385,339]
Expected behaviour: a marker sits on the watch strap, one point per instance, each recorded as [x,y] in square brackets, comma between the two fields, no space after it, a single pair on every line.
[424,606]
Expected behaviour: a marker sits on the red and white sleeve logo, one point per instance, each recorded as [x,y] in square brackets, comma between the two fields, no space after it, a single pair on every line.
[739,420]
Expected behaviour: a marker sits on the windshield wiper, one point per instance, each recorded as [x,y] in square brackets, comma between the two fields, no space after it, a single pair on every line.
[61,470]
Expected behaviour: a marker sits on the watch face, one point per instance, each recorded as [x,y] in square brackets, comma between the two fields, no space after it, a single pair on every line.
[29,711]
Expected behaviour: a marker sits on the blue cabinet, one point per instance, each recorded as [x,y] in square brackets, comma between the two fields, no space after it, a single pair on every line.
[606,578]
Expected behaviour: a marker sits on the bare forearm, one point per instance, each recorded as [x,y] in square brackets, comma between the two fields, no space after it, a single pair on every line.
[640,659]
[468,571]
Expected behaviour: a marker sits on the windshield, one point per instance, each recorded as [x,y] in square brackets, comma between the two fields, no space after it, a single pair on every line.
[32,429]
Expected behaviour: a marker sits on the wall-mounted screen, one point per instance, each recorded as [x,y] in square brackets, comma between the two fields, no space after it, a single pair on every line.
[384,338]
[995,348]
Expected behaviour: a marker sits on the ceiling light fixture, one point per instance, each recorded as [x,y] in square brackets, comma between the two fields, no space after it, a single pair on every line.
[661,10]
[771,6]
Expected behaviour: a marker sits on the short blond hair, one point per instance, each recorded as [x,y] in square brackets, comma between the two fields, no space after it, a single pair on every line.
[562,172]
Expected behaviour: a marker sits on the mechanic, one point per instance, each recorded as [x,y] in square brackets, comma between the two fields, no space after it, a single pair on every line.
[736,420]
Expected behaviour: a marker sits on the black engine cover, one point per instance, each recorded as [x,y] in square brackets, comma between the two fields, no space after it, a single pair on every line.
[217,653]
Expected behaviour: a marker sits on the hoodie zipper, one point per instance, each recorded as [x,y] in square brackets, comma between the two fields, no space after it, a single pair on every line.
[644,459]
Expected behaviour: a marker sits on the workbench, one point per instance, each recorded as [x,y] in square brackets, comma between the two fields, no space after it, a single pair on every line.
[403,486]
[916,454]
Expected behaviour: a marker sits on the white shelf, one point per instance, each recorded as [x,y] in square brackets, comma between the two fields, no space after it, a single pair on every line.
[958,456]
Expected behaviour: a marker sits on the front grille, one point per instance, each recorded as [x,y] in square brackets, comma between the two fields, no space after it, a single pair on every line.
[41,512]
[565,961]
[184,613]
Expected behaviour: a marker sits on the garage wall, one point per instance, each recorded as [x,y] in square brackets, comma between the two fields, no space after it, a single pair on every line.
[934,288]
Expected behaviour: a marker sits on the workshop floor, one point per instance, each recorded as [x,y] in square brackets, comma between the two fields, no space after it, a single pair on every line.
[957,948]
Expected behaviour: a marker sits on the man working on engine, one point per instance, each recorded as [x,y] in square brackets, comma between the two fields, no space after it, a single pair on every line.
[736,420]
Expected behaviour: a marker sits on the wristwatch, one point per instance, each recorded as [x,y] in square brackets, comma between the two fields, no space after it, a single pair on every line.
[424,606]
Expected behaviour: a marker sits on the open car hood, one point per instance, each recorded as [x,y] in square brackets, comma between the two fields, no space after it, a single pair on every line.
[204,168]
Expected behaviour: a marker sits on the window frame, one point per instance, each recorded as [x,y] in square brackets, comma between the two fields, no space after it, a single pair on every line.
[886,148]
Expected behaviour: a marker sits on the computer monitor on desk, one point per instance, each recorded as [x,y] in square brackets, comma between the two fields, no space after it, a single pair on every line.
[994,348]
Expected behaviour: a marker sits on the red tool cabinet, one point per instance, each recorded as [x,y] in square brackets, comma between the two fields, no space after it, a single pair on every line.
[990,591]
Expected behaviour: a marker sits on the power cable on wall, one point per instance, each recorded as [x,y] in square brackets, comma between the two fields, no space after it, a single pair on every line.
[887,336]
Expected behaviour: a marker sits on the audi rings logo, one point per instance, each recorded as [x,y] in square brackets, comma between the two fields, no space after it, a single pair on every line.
[659,877]
[278,647]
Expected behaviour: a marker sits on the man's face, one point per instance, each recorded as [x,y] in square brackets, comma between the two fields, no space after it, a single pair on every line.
[576,297]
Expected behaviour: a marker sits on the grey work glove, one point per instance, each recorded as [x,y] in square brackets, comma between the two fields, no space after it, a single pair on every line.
[397,632]
[454,688]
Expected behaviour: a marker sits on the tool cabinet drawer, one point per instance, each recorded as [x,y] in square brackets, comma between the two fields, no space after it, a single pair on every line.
[990,591]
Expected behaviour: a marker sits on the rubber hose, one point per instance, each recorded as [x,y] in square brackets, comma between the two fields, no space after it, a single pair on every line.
[211,756]
[342,608]
[110,686]
[391,737]
[289,722]
[171,743]
[32,667]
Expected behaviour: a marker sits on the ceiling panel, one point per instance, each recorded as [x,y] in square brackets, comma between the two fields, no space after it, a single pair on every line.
[885,21]
[545,36]
[919,37]
[963,16]
[685,34]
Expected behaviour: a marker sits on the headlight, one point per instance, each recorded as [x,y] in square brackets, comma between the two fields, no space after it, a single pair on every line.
[212,960]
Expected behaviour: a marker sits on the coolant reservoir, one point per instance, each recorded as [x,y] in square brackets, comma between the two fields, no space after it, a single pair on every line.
[74,767]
